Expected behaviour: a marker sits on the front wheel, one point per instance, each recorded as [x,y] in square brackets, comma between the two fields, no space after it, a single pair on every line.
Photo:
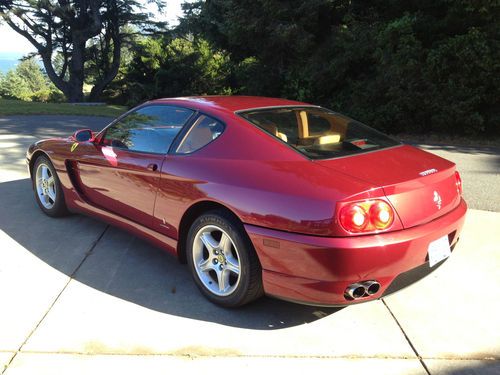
[222,260]
[48,191]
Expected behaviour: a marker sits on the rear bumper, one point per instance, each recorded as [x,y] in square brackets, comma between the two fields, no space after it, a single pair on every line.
[317,270]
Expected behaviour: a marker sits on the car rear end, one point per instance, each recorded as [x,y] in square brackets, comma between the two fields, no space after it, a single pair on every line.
[339,271]
[399,231]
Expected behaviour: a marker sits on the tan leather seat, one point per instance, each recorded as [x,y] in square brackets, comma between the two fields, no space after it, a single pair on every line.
[327,139]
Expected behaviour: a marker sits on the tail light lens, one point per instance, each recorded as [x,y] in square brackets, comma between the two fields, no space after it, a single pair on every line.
[459,183]
[367,216]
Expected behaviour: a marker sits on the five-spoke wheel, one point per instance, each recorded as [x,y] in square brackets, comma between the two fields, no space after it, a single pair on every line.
[48,191]
[45,186]
[216,260]
[223,261]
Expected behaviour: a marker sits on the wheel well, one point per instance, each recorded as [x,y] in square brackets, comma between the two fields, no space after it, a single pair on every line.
[190,216]
[35,156]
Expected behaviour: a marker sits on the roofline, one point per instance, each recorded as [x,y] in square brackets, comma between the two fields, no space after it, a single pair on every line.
[276,107]
[193,101]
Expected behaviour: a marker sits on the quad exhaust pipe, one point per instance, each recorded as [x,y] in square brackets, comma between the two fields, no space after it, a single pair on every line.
[362,289]
[371,287]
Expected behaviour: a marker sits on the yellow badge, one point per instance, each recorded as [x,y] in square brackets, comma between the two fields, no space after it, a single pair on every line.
[74,146]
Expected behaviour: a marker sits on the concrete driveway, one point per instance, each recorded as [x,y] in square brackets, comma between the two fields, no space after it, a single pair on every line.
[78,296]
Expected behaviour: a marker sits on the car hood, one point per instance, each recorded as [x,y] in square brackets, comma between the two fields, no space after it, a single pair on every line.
[421,186]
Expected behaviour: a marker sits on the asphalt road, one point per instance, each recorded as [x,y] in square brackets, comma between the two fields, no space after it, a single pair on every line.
[479,166]
[46,126]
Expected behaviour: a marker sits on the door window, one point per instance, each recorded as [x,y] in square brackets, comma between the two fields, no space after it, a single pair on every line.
[149,129]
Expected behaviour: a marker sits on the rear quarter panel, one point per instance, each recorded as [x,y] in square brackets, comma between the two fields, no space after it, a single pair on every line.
[260,179]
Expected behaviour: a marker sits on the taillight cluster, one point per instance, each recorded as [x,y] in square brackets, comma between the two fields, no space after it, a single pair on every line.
[458,181]
[366,216]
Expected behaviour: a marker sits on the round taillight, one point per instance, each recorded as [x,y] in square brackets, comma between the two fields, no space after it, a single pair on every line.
[366,216]
[458,181]
[354,218]
[381,215]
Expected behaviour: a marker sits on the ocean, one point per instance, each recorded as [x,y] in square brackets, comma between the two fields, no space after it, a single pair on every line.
[9,60]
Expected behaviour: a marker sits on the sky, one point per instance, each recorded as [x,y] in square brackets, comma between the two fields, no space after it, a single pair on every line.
[15,43]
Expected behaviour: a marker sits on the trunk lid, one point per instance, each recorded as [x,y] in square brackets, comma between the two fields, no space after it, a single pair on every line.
[420,186]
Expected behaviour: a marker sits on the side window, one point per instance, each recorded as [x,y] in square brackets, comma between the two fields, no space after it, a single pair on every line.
[204,130]
[149,129]
[282,123]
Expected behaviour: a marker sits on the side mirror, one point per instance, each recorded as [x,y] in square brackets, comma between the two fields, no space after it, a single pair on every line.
[83,135]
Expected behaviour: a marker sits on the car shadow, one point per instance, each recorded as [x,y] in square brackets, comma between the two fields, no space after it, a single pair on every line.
[464,366]
[120,264]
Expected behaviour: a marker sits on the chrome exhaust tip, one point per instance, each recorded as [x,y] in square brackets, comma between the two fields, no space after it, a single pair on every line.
[355,291]
[372,287]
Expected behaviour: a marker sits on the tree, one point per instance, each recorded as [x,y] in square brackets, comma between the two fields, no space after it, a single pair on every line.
[170,66]
[400,66]
[15,87]
[27,82]
[278,36]
[30,71]
[70,28]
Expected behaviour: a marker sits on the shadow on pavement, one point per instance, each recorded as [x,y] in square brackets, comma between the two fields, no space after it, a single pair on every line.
[469,367]
[128,268]
[47,126]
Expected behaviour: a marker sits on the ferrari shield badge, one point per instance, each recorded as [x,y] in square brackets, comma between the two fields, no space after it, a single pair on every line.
[74,146]
[437,199]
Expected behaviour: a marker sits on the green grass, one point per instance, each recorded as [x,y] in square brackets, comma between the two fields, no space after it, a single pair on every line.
[17,107]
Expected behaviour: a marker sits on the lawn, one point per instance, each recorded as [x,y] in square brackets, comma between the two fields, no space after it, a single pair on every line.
[17,107]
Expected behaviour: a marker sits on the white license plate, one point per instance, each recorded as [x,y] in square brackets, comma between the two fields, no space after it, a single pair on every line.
[439,250]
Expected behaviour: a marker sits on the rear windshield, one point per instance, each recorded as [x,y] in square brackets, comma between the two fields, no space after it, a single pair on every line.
[319,133]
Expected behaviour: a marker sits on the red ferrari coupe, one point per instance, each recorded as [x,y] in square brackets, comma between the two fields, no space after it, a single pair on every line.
[261,196]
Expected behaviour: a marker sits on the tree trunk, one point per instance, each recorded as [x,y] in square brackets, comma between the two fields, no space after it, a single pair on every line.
[74,92]
[95,93]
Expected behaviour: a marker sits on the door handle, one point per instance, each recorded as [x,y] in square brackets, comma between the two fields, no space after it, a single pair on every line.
[153,167]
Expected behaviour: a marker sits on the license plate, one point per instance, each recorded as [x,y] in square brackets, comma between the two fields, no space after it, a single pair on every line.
[439,250]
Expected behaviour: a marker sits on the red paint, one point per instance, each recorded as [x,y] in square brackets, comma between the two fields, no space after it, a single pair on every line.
[268,185]
[118,180]
[396,171]
[317,270]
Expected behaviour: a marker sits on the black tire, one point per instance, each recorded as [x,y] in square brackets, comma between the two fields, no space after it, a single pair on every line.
[58,206]
[249,282]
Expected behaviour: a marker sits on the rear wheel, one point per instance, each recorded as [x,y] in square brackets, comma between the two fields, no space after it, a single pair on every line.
[222,260]
[47,188]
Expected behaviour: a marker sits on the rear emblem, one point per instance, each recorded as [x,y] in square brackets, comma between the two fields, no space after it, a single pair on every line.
[437,199]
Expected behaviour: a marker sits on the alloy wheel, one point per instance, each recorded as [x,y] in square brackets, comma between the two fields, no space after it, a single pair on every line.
[45,186]
[216,260]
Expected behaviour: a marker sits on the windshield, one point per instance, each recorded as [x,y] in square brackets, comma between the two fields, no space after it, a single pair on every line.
[319,133]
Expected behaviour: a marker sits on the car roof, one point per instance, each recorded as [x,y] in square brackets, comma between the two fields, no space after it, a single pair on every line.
[231,104]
